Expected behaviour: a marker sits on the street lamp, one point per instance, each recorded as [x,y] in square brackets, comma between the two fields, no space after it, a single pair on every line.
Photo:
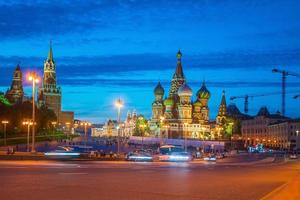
[4,122]
[119,104]
[185,135]
[28,123]
[85,124]
[68,127]
[231,138]
[142,126]
[33,77]
[297,132]
[162,118]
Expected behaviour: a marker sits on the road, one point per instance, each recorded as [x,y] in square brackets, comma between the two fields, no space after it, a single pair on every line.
[127,180]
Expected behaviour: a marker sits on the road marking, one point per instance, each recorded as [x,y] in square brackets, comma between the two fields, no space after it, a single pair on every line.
[12,167]
[70,173]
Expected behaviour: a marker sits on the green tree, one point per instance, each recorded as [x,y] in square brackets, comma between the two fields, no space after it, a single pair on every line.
[141,126]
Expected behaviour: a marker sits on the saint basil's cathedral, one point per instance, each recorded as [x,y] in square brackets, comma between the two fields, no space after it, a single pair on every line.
[177,116]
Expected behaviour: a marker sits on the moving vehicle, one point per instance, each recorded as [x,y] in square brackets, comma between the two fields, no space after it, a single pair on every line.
[62,152]
[139,156]
[173,153]
[210,158]
[293,156]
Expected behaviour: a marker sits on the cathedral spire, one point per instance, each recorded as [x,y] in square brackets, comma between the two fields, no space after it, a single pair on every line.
[223,101]
[179,71]
[222,108]
[50,53]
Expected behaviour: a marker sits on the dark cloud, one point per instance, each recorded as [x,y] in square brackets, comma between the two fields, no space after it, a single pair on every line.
[99,65]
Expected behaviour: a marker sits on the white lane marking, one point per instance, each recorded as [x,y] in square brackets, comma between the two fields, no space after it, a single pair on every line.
[13,167]
[70,173]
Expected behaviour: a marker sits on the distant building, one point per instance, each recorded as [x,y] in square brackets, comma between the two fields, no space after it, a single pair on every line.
[257,129]
[129,124]
[283,134]
[67,118]
[110,129]
[15,93]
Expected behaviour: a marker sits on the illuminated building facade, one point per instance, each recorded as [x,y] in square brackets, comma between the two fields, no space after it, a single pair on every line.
[177,116]
[50,94]
[129,124]
[260,129]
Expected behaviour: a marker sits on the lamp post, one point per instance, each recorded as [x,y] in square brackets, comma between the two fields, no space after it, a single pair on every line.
[68,128]
[185,135]
[142,126]
[28,123]
[231,137]
[33,77]
[53,126]
[85,124]
[160,132]
[119,105]
[4,122]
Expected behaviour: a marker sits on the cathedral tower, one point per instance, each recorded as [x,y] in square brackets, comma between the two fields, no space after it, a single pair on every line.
[201,110]
[15,93]
[222,110]
[184,105]
[157,105]
[49,92]
[178,78]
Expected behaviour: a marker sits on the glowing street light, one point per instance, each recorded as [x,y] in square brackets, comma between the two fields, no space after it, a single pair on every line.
[162,119]
[4,122]
[185,135]
[68,127]
[28,123]
[33,77]
[119,104]
[143,126]
[85,124]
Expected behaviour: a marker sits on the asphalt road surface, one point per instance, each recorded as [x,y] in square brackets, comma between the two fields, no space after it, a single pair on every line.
[127,180]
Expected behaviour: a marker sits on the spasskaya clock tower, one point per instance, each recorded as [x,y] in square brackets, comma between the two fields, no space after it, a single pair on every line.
[49,92]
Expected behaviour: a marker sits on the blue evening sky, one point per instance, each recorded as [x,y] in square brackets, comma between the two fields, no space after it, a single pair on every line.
[109,49]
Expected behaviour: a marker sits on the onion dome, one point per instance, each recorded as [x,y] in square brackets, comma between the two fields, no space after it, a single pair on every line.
[197,103]
[185,90]
[203,93]
[169,102]
[159,90]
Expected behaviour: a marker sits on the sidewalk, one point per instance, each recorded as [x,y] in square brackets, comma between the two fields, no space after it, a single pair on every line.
[288,191]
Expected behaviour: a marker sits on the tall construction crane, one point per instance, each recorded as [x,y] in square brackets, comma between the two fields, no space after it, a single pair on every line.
[283,86]
[246,99]
[247,96]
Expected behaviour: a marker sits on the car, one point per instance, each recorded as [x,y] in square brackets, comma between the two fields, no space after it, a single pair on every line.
[139,156]
[62,152]
[210,158]
[293,156]
[220,156]
[176,157]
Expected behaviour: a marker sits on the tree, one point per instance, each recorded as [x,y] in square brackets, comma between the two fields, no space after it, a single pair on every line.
[19,112]
[141,126]
[44,118]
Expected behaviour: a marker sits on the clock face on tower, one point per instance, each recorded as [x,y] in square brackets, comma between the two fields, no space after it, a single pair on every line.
[50,81]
